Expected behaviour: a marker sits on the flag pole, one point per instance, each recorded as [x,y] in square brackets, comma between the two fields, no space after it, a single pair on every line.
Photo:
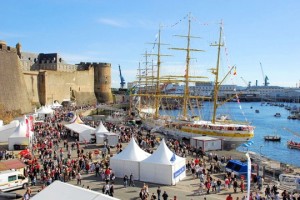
[248,175]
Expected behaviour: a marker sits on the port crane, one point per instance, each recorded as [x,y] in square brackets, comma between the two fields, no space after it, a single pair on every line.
[122,83]
[265,78]
[248,84]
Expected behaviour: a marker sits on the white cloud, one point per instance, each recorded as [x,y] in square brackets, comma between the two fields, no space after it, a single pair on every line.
[112,22]
[84,57]
[11,35]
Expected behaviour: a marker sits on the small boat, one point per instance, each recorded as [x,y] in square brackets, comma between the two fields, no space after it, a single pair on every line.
[293,145]
[256,111]
[292,117]
[277,115]
[272,138]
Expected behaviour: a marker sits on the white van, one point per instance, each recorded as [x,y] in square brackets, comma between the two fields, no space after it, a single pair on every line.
[11,180]
[289,179]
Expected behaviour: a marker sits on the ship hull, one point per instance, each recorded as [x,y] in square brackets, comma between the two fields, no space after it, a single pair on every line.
[231,139]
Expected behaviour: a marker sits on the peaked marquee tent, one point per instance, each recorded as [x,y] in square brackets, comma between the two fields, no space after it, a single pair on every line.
[21,136]
[128,161]
[44,111]
[7,130]
[163,167]
[60,190]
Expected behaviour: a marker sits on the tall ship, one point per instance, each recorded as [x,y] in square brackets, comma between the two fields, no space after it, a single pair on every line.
[149,99]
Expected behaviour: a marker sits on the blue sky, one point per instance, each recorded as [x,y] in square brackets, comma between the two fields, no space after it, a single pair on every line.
[117,32]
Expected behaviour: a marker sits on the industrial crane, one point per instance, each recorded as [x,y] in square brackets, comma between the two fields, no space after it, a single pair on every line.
[122,83]
[265,78]
[248,84]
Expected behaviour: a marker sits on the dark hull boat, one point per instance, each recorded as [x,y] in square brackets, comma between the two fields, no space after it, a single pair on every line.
[272,138]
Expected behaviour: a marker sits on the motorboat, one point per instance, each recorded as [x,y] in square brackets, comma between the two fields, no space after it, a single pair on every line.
[277,115]
[272,138]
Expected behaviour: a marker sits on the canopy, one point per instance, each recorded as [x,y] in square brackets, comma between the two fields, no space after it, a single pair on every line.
[21,136]
[45,110]
[84,131]
[7,130]
[101,129]
[56,105]
[163,167]
[76,119]
[128,161]
[60,190]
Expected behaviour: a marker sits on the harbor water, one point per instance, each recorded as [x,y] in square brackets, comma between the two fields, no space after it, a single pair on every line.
[262,117]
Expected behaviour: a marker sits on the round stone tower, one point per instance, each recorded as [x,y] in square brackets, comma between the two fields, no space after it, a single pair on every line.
[102,82]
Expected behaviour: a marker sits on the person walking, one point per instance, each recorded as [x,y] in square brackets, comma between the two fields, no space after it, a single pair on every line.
[235,185]
[165,196]
[125,180]
[158,191]
[111,190]
[78,177]
[131,180]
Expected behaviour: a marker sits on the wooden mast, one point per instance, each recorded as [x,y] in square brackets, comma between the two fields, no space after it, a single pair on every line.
[187,68]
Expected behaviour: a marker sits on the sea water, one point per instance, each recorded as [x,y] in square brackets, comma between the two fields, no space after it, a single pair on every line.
[265,124]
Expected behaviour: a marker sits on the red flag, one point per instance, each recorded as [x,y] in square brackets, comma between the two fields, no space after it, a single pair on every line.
[31,122]
[234,72]
[27,128]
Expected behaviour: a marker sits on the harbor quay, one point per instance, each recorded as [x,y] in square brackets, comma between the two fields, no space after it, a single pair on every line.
[193,186]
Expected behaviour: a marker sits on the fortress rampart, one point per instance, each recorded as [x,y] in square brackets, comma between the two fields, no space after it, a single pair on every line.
[30,79]
[13,89]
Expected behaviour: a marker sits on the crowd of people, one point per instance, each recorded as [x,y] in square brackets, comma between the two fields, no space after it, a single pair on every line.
[57,156]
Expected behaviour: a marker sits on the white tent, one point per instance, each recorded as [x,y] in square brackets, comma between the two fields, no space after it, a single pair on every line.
[56,105]
[128,161]
[76,119]
[99,132]
[101,129]
[44,111]
[7,130]
[60,190]
[84,132]
[22,136]
[163,167]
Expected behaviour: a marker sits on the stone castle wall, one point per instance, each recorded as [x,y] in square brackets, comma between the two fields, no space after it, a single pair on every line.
[28,80]
[31,82]
[61,86]
[13,94]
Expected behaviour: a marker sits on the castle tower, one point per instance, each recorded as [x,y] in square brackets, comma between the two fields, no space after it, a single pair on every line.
[102,82]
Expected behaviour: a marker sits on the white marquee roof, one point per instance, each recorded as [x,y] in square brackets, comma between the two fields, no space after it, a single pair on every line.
[163,155]
[132,152]
[79,128]
[101,129]
[60,190]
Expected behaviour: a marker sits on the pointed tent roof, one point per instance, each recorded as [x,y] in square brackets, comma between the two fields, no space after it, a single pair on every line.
[45,110]
[163,155]
[76,119]
[101,129]
[56,105]
[61,190]
[20,130]
[132,152]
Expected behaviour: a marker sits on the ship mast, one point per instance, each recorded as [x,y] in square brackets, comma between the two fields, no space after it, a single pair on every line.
[187,68]
[216,73]
[157,89]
